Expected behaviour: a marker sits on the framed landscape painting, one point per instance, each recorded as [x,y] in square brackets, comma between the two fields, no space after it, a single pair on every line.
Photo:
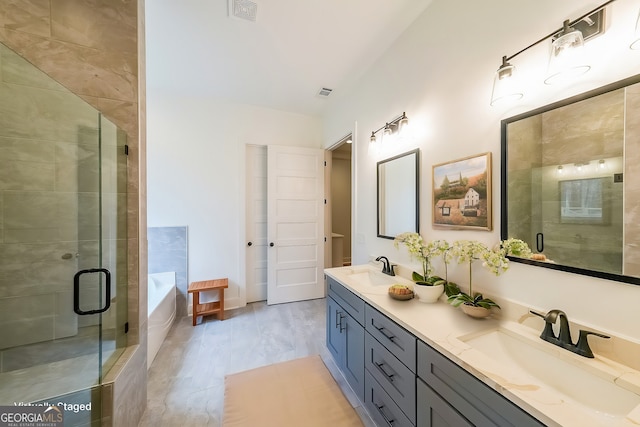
[462,193]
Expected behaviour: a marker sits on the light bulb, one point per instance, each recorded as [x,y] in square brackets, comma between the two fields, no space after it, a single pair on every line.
[566,60]
[505,84]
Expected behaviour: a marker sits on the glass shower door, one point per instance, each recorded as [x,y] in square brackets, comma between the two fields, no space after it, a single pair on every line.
[62,228]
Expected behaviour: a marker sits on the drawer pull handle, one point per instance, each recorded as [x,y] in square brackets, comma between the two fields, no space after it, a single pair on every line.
[389,421]
[380,365]
[381,329]
[342,327]
[337,319]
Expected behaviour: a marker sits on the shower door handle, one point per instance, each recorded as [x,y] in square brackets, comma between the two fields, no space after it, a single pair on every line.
[76,291]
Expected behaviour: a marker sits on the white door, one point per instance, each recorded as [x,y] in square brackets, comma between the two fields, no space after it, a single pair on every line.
[256,226]
[295,211]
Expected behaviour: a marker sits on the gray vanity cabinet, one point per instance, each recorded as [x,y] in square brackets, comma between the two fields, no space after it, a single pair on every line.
[450,396]
[404,382]
[390,366]
[345,334]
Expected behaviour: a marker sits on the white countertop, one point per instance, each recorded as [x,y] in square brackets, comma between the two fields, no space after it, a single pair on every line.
[441,325]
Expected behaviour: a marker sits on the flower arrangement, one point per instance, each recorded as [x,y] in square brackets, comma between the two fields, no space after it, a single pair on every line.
[424,252]
[514,247]
[464,252]
[467,251]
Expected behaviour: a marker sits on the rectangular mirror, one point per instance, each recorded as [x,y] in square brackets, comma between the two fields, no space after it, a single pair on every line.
[398,204]
[570,182]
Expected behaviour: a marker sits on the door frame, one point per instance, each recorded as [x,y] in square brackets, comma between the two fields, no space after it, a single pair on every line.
[328,217]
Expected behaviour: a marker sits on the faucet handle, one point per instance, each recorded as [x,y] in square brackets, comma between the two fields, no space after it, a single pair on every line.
[582,347]
[547,334]
[536,313]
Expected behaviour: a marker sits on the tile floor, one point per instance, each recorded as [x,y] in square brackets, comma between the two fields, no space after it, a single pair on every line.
[186,380]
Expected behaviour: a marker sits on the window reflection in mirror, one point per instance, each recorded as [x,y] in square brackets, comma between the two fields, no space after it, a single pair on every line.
[398,195]
[569,182]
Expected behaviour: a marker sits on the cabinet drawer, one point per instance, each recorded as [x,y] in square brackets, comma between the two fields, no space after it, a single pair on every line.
[433,411]
[381,406]
[395,338]
[347,299]
[395,378]
[479,403]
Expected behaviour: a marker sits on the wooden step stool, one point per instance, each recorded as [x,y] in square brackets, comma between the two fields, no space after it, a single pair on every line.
[208,308]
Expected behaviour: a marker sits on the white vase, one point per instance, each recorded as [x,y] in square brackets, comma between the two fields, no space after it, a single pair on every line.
[428,294]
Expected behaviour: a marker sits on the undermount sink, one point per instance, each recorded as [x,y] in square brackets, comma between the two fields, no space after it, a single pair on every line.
[372,278]
[537,367]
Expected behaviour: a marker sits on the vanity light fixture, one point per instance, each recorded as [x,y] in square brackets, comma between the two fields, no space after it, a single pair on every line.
[403,124]
[505,87]
[394,126]
[564,61]
[386,131]
[580,165]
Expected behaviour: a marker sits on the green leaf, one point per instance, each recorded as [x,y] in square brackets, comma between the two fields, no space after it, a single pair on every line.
[457,300]
[451,289]
[417,277]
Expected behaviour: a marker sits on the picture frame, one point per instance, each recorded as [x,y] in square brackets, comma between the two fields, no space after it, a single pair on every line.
[462,193]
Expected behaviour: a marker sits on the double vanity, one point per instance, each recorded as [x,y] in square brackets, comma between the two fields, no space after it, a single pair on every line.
[416,364]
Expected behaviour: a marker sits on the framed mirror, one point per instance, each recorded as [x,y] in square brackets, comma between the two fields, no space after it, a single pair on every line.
[398,195]
[571,182]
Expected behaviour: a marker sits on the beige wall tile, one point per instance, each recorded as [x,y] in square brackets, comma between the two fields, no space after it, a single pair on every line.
[100,24]
[91,48]
[30,16]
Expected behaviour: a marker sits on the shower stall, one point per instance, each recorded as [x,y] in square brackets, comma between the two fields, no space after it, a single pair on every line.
[63,244]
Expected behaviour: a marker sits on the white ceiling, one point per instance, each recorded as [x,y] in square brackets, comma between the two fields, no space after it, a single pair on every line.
[281,61]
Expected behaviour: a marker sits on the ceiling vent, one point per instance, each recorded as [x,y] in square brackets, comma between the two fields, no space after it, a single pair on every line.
[243,9]
[325,91]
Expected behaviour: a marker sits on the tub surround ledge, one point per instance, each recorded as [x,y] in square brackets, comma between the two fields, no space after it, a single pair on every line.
[126,383]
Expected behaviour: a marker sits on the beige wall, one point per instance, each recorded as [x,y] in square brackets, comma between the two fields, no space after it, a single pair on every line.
[93,48]
[341,200]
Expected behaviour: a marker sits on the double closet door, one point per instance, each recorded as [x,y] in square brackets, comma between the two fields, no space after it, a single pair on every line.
[285,224]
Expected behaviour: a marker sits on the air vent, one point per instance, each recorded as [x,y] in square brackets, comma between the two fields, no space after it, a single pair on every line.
[243,9]
[325,92]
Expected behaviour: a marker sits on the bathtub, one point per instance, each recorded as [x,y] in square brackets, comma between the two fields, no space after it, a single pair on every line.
[161,300]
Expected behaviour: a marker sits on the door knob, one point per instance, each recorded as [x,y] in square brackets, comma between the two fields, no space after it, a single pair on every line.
[271,244]
[249,244]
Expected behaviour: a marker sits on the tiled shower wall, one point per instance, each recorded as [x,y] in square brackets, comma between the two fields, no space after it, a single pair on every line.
[95,48]
[632,188]
[49,171]
[168,252]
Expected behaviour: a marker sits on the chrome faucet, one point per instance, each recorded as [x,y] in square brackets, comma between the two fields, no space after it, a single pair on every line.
[564,334]
[387,268]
